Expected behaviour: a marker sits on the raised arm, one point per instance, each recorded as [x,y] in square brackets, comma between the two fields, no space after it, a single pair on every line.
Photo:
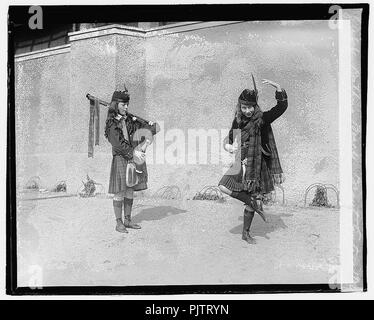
[282,102]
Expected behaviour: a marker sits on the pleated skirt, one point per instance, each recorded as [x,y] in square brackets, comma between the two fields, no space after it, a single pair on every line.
[234,182]
[117,180]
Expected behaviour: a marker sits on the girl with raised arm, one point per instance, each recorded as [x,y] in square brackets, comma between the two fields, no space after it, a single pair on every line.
[257,167]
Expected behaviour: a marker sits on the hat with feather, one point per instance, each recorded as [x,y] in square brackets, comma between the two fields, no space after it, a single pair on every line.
[248,96]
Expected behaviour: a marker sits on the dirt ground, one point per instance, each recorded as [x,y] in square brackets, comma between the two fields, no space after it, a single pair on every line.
[71,241]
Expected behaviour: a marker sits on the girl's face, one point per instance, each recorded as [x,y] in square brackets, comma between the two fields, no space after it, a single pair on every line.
[247,110]
[122,107]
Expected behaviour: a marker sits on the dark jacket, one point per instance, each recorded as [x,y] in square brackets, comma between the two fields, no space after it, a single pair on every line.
[123,151]
[122,146]
[268,117]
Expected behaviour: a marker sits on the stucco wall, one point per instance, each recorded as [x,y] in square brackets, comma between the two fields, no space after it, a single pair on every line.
[194,80]
[52,142]
[99,65]
[42,103]
[188,80]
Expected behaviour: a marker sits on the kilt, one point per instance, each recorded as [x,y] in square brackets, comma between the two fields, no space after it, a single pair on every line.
[117,180]
[234,182]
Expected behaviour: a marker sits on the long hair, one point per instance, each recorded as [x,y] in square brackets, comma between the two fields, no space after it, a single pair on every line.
[112,113]
[256,117]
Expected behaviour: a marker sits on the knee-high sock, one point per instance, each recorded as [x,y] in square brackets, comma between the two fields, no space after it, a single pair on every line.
[127,207]
[245,197]
[117,206]
[247,219]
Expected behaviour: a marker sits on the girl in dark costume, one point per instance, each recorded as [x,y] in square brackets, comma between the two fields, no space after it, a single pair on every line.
[123,134]
[257,167]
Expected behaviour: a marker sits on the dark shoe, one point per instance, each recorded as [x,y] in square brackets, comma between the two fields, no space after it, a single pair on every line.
[247,237]
[121,228]
[131,225]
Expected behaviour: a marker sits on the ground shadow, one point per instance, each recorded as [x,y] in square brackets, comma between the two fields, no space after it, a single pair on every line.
[260,228]
[156,213]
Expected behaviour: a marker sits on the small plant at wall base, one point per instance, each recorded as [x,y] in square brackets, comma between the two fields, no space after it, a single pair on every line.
[89,188]
[60,187]
[33,183]
[320,198]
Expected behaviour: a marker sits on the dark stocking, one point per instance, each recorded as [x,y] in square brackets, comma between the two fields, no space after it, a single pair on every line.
[117,206]
[127,210]
[247,221]
[245,197]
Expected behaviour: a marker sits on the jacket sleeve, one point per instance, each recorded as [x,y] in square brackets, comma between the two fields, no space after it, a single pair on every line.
[275,112]
[155,128]
[120,147]
[140,135]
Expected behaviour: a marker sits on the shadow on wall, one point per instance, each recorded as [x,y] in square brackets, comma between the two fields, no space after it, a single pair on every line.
[156,213]
[262,229]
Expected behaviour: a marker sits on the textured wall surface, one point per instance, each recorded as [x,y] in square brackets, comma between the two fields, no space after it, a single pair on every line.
[99,65]
[42,105]
[194,80]
[53,111]
[189,80]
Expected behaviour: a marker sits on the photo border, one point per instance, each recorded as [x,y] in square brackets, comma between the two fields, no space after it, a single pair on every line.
[209,12]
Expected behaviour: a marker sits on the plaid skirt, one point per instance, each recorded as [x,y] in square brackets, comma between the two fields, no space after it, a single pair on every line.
[117,180]
[234,182]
